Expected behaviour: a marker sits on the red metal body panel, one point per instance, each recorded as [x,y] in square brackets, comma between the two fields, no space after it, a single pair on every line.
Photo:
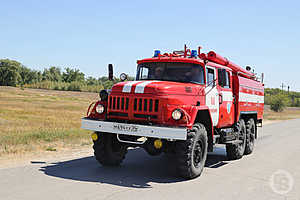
[170,96]
[249,96]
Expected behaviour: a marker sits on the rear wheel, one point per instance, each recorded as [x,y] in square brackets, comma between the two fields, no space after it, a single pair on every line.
[236,151]
[251,131]
[191,154]
[108,150]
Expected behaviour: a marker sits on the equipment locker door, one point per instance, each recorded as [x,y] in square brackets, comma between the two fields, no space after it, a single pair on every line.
[226,108]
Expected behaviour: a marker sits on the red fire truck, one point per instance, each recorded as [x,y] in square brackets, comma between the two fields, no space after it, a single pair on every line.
[180,103]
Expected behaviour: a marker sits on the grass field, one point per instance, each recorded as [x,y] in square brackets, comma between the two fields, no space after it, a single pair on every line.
[47,120]
[288,113]
[41,120]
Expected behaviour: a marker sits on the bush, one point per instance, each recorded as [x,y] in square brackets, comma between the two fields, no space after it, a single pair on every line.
[75,86]
[278,102]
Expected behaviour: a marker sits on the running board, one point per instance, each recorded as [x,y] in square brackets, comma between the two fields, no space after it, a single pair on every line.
[234,142]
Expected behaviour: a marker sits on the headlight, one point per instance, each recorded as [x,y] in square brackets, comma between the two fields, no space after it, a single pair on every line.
[100,109]
[177,114]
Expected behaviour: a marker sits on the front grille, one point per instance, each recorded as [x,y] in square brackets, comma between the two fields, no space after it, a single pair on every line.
[145,105]
[133,107]
[118,103]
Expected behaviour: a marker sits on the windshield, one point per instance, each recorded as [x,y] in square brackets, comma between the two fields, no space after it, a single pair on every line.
[179,72]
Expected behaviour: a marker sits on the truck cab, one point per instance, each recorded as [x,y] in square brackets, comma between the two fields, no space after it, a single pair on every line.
[180,103]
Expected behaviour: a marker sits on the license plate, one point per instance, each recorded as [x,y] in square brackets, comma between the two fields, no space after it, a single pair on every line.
[125,128]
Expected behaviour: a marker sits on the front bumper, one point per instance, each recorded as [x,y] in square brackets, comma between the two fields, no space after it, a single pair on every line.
[134,129]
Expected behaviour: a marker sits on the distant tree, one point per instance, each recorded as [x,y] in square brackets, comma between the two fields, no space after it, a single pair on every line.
[39,76]
[92,81]
[103,79]
[9,72]
[52,74]
[71,75]
[29,76]
[278,102]
[297,104]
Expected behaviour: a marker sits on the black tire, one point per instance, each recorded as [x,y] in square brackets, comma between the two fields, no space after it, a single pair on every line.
[108,150]
[191,154]
[236,151]
[251,131]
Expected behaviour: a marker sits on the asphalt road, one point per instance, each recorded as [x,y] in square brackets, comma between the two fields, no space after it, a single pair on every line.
[271,172]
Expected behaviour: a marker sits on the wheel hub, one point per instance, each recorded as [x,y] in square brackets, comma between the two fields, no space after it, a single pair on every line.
[198,153]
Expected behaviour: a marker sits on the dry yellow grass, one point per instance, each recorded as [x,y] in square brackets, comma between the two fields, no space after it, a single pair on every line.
[288,113]
[35,120]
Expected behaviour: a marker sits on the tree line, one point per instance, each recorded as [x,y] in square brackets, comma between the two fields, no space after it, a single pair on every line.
[13,73]
[279,99]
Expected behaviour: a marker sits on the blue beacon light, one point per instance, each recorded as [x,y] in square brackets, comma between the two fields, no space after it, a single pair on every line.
[156,53]
[194,54]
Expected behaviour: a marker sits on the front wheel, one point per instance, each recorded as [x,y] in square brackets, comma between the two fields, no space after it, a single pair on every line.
[191,154]
[108,150]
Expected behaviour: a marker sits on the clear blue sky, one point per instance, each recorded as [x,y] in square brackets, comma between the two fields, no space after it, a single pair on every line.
[90,34]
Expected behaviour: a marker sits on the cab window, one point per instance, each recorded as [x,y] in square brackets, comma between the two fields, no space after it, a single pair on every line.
[227,78]
[210,76]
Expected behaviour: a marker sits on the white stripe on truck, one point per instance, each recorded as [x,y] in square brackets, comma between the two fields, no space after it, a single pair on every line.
[251,98]
[127,86]
[141,87]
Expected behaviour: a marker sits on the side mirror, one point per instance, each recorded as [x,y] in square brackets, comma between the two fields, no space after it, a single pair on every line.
[110,72]
[123,77]
[222,77]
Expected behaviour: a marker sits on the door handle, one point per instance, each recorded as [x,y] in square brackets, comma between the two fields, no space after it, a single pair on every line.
[220,98]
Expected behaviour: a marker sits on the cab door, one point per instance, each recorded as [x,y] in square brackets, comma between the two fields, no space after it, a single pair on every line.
[211,94]
[226,104]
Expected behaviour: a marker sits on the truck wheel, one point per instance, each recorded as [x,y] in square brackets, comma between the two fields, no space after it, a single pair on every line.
[251,130]
[108,150]
[236,151]
[191,154]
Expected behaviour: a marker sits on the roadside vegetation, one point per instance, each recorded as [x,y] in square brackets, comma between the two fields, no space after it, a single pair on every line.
[279,100]
[286,114]
[13,73]
[42,120]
